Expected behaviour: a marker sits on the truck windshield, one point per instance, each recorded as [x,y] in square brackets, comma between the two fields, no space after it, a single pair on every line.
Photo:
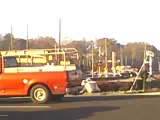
[10,61]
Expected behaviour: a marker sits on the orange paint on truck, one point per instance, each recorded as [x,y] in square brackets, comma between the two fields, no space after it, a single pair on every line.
[13,84]
[36,82]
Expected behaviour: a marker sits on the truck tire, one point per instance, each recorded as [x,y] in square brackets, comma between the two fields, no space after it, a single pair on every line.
[40,94]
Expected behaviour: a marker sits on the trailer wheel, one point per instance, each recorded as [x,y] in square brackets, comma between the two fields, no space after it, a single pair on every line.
[40,94]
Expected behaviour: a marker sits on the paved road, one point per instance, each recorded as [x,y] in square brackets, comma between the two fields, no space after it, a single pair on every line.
[83,108]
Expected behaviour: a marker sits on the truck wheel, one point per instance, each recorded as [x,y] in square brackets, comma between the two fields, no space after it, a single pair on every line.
[40,94]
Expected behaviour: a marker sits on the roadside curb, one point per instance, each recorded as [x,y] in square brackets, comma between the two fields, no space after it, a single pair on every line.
[145,93]
[118,94]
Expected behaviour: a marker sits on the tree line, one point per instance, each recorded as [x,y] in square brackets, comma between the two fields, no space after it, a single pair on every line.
[131,54]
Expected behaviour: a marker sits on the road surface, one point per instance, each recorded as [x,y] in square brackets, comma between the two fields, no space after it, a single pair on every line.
[83,108]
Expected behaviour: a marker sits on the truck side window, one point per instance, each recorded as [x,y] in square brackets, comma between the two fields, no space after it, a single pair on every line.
[10,61]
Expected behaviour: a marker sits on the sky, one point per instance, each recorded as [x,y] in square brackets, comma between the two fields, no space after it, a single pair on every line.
[124,20]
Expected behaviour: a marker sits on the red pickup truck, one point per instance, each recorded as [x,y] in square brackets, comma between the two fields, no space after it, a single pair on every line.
[36,82]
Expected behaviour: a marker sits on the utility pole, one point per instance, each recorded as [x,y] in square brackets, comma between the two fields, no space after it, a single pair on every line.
[27,38]
[126,58]
[59,33]
[55,47]
[121,55]
[92,61]
[106,58]
[11,39]
[145,48]
[114,63]
[59,42]
[27,45]
[99,62]
[132,60]
[158,63]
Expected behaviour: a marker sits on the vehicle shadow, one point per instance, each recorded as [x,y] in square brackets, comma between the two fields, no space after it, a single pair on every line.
[77,98]
[15,100]
[58,114]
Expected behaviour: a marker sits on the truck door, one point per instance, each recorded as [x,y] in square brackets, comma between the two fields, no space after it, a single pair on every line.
[11,82]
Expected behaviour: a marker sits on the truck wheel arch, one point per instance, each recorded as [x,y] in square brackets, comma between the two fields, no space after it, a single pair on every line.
[29,89]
